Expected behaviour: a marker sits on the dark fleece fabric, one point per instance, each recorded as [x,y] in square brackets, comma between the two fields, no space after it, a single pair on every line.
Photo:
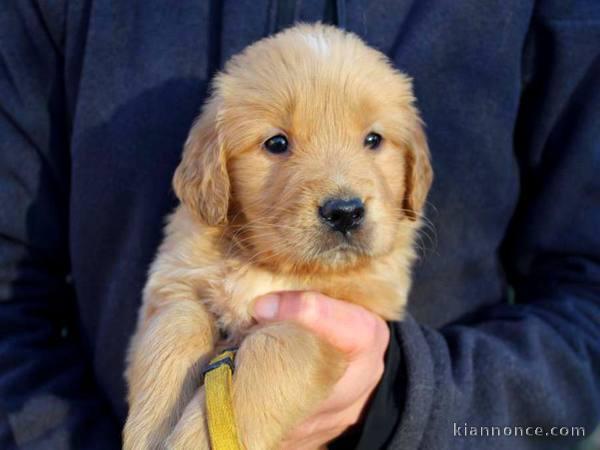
[503,329]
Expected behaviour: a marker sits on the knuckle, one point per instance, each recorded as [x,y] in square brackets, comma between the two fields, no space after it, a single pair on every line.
[375,336]
[310,308]
[369,323]
[379,331]
[383,333]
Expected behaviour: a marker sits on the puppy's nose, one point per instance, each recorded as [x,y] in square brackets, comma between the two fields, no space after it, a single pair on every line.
[343,215]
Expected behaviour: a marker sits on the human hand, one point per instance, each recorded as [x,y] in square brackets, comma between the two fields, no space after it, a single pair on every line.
[359,334]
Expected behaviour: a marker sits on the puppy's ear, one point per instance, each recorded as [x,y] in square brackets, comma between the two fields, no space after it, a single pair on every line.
[419,174]
[201,181]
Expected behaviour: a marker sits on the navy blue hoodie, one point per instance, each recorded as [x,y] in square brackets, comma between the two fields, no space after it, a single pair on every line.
[503,329]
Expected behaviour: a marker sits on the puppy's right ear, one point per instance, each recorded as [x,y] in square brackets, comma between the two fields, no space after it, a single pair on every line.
[201,181]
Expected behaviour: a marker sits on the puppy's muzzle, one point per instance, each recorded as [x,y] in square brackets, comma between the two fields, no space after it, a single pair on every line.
[342,215]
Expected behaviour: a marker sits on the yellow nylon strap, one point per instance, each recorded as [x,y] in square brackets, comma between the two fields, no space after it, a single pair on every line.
[219,408]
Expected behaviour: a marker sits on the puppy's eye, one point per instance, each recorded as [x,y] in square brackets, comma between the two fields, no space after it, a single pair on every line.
[276,144]
[373,140]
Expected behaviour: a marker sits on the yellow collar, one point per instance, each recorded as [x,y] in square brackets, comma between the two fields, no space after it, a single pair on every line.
[219,408]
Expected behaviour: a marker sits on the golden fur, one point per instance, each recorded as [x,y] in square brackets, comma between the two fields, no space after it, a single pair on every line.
[247,225]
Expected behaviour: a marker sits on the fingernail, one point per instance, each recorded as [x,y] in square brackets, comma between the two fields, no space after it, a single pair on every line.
[266,307]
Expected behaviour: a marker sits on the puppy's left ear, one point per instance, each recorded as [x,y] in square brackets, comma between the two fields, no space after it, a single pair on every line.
[201,181]
[419,174]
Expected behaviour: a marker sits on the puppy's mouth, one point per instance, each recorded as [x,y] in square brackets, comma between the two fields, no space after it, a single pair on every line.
[339,247]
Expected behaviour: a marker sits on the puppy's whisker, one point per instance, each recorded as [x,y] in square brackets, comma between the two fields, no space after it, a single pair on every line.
[267,225]
[275,252]
[425,237]
[256,221]
[427,223]
[256,236]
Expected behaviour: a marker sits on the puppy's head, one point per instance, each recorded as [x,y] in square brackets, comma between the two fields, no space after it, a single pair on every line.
[309,152]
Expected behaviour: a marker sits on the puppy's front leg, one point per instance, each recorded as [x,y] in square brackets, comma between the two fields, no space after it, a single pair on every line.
[191,432]
[282,373]
[167,354]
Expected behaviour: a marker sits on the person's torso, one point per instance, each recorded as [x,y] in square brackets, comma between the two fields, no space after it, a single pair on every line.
[137,73]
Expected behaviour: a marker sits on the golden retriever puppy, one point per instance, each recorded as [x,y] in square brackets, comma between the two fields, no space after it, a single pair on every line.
[307,170]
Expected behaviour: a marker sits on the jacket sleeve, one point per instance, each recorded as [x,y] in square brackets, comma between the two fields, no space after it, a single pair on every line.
[535,362]
[48,398]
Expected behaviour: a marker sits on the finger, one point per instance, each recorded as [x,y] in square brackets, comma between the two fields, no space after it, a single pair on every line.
[346,326]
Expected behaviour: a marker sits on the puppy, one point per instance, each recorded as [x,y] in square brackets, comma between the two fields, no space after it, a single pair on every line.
[307,170]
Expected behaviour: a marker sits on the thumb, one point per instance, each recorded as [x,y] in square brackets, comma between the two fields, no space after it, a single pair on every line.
[348,327]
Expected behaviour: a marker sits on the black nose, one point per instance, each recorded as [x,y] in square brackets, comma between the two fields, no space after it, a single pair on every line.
[343,215]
